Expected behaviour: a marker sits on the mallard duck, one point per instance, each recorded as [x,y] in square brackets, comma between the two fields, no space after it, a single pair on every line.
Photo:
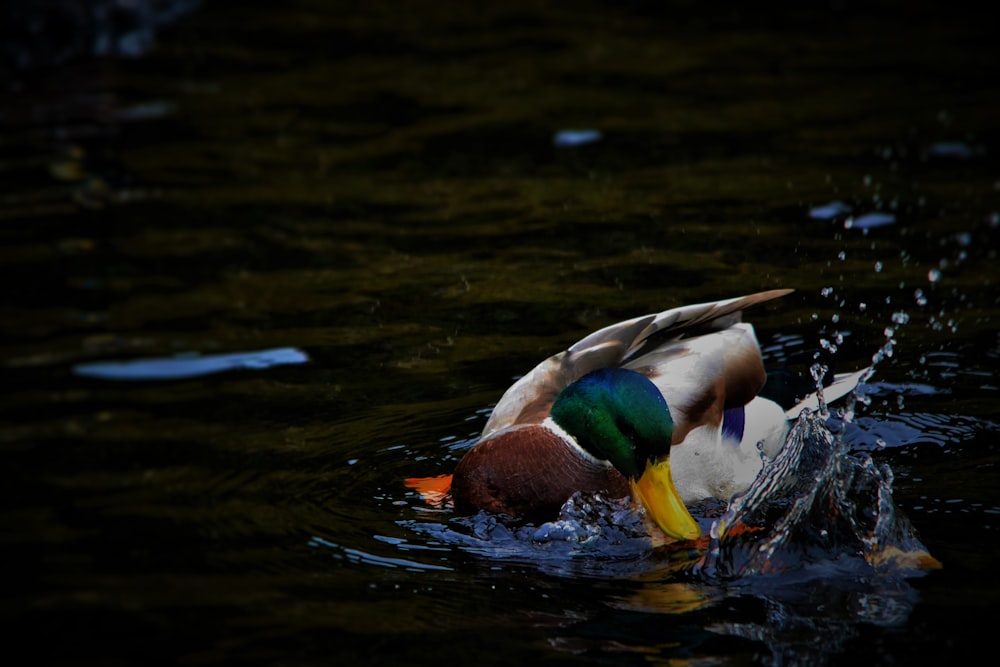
[666,408]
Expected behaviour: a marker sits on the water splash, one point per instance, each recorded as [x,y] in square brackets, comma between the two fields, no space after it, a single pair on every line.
[593,536]
[818,372]
[814,503]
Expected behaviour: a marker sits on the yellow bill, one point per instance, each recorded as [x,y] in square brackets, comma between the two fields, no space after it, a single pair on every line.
[656,491]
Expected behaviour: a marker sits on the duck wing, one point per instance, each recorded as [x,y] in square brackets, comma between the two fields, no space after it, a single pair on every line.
[629,343]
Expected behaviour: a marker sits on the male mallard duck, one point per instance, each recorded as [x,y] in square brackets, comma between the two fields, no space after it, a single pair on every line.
[664,407]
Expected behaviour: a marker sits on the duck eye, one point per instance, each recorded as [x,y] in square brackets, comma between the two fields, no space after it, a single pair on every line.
[627,429]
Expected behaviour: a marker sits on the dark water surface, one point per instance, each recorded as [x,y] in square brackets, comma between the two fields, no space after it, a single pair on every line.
[339,233]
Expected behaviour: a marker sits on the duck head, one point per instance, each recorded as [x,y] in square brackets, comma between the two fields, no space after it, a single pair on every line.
[619,416]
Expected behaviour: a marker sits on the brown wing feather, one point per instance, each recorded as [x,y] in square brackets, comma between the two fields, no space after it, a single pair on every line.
[691,320]
[702,376]
[529,400]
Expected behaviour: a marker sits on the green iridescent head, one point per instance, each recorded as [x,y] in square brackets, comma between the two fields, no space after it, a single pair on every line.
[617,415]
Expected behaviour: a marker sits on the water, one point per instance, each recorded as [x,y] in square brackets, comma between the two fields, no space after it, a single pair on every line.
[417,207]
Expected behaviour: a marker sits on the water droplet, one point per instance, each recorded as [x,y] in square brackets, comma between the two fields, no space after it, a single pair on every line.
[826,291]
[918,296]
[841,255]
[934,275]
[862,306]
[818,371]
[878,267]
[900,317]
[835,318]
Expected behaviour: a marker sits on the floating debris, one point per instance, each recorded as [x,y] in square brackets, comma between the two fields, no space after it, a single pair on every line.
[189,365]
[572,138]
[145,111]
[950,149]
[829,211]
[869,221]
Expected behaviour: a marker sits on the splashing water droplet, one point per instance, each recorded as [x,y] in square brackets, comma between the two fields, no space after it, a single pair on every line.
[884,352]
[934,275]
[818,372]
[918,296]
[878,267]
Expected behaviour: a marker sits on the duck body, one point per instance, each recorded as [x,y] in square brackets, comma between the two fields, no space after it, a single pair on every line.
[663,407]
